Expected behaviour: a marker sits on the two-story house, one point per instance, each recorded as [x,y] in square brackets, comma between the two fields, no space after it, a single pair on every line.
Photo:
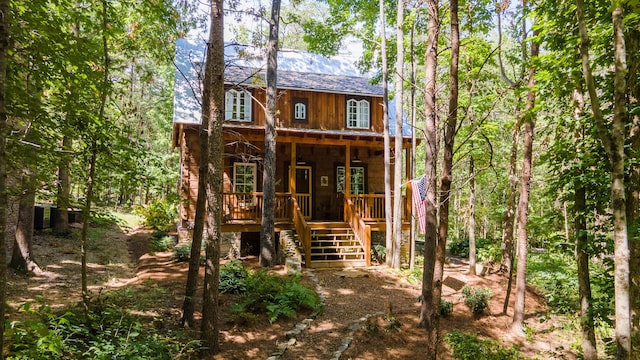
[329,153]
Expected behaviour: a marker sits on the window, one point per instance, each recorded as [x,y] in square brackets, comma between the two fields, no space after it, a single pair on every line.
[237,105]
[300,109]
[357,114]
[357,179]
[244,183]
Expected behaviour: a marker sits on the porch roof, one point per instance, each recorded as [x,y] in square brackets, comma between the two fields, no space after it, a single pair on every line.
[317,136]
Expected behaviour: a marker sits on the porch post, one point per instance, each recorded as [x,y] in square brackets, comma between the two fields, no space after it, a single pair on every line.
[408,173]
[347,172]
[292,170]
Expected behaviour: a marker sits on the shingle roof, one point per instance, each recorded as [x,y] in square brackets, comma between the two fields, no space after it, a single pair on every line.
[352,85]
[296,70]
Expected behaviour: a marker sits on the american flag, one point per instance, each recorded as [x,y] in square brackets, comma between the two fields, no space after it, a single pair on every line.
[419,193]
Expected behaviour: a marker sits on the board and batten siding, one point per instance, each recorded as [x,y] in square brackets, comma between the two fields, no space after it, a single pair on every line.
[326,111]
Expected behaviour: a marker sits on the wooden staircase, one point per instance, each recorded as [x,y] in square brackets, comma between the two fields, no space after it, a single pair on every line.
[334,245]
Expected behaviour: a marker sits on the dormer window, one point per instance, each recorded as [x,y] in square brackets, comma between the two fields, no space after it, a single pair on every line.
[237,105]
[299,110]
[358,114]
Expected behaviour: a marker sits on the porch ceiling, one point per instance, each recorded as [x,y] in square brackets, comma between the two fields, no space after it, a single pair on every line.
[312,136]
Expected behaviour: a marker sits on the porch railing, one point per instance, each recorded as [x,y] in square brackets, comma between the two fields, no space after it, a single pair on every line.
[304,203]
[303,229]
[370,207]
[248,206]
[361,230]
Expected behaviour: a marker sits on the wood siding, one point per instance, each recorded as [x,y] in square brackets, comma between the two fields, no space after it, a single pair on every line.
[326,111]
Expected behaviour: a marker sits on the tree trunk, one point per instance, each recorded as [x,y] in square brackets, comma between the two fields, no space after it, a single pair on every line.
[22,256]
[447,163]
[613,141]
[61,220]
[523,203]
[388,206]
[584,285]
[397,171]
[472,217]
[633,186]
[4,44]
[267,232]
[618,191]
[213,95]
[427,311]
[188,305]
[508,217]
[86,218]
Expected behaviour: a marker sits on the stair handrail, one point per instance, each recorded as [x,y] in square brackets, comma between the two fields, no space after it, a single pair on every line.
[361,230]
[303,229]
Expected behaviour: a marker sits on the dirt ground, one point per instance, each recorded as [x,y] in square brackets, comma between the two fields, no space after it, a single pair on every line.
[355,301]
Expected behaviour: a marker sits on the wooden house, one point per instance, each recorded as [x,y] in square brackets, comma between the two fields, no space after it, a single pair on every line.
[329,153]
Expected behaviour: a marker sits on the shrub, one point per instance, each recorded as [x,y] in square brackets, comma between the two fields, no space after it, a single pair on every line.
[476,299]
[159,215]
[446,308]
[379,254]
[164,243]
[469,347]
[109,332]
[182,253]
[460,247]
[275,296]
[232,278]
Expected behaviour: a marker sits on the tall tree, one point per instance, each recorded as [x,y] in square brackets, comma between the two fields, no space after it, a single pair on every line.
[427,311]
[529,121]
[613,140]
[472,217]
[267,232]
[188,306]
[4,45]
[388,203]
[397,171]
[213,115]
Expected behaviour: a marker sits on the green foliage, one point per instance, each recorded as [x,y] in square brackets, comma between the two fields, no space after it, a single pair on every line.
[379,254]
[159,215]
[555,274]
[393,323]
[232,278]
[470,347]
[108,332]
[274,296]
[182,253]
[164,243]
[446,308]
[476,299]
[460,247]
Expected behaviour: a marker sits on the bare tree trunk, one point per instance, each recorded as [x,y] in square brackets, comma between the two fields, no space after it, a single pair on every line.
[388,206]
[472,217]
[618,191]
[214,95]
[61,220]
[427,311]
[4,44]
[523,203]
[22,257]
[509,216]
[397,171]
[188,305]
[86,218]
[613,141]
[267,232]
[447,163]
[633,186]
[414,70]
[589,350]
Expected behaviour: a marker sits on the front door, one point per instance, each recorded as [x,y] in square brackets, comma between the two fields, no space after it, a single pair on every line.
[304,189]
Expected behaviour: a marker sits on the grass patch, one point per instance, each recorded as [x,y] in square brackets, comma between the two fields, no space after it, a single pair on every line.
[470,347]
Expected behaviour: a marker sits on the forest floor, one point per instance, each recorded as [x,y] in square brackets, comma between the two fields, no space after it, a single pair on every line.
[121,258]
